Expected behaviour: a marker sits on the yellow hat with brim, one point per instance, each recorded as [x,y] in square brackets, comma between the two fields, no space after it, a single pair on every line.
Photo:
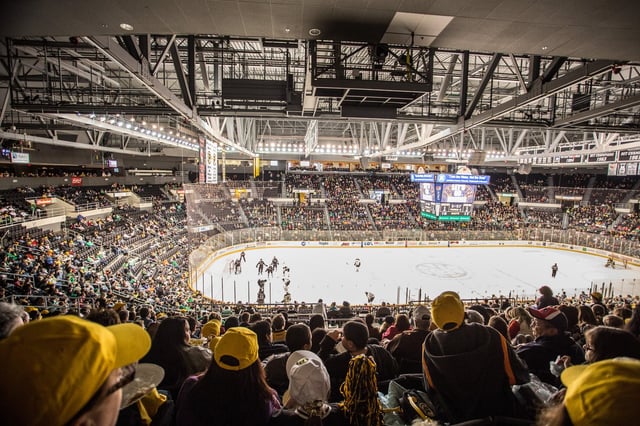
[237,349]
[447,311]
[212,328]
[58,364]
[605,393]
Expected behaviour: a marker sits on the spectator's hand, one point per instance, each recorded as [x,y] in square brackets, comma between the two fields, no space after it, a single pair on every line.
[566,361]
[335,334]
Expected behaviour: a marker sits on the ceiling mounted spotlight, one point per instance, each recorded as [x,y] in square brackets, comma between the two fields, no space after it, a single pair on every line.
[315,32]
[126,27]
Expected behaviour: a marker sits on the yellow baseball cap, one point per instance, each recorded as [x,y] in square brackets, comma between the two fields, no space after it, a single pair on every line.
[53,367]
[447,311]
[605,393]
[212,328]
[237,349]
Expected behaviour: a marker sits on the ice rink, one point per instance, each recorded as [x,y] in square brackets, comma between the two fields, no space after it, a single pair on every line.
[395,274]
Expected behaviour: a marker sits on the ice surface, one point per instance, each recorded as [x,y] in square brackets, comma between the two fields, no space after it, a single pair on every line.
[396,274]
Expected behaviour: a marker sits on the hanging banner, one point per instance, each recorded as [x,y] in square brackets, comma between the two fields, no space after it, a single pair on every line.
[211,162]
[201,164]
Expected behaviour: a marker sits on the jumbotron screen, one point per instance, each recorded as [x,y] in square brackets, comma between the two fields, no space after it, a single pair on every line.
[448,197]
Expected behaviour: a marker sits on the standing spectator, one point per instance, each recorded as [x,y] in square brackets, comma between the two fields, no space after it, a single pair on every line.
[320,308]
[236,378]
[469,368]
[67,370]
[546,298]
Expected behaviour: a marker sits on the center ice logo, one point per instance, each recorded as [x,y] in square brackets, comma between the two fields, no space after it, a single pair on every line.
[441,270]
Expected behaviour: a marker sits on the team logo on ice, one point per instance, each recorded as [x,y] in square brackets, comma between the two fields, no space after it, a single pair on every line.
[441,270]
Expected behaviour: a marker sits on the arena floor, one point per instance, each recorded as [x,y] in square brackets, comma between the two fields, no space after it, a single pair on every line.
[398,274]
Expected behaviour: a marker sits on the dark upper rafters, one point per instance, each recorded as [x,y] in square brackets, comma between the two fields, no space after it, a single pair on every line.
[98,75]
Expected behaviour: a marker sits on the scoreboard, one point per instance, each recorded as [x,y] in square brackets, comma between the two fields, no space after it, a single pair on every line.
[448,197]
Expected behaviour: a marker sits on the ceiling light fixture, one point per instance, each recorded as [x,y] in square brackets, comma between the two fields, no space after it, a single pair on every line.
[126,27]
[315,32]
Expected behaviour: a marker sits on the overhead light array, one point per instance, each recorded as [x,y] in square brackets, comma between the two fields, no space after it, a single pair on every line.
[144,130]
[336,149]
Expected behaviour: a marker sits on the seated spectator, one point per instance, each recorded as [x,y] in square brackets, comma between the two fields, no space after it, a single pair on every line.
[469,368]
[316,337]
[400,324]
[345,310]
[374,332]
[551,341]
[520,322]
[383,311]
[266,346]
[406,347]
[604,393]
[360,391]
[607,343]
[11,317]
[354,340]
[278,331]
[85,367]
[236,379]
[316,321]
[388,322]
[298,338]
[211,333]
[499,324]
[613,321]
[305,401]
[171,351]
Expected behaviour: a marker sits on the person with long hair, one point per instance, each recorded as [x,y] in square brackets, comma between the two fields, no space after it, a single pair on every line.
[546,298]
[400,324]
[170,350]
[604,342]
[233,391]
[520,322]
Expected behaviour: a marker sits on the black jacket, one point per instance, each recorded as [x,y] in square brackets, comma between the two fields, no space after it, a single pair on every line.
[275,368]
[467,375]
[539,353]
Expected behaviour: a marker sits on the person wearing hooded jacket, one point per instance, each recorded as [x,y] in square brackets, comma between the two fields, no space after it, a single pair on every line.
[469,368]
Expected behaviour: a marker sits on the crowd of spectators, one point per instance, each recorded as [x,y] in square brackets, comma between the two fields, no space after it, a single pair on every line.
[132,266]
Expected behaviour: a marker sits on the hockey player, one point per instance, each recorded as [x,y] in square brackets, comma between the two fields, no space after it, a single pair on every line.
[370,296]
[274,263]
[357,264]
[260,265]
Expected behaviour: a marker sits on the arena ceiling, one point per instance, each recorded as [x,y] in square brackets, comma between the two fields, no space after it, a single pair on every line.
[491,81]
